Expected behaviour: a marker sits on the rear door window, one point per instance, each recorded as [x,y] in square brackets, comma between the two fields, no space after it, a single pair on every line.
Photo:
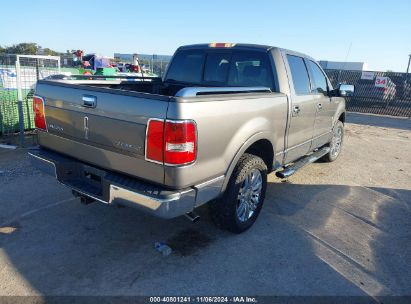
[299,75]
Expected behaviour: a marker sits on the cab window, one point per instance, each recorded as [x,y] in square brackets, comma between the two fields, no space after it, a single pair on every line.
[216,67]
[187,67]
[299,75]
[221,68]
[250,69]
[318,81]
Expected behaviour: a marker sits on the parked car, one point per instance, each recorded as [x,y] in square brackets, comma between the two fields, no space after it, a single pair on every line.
[368,91]
[221,119]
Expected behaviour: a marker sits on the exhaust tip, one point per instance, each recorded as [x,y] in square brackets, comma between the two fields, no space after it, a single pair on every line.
[192,216]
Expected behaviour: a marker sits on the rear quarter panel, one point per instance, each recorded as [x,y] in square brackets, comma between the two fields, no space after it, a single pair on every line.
[226,125]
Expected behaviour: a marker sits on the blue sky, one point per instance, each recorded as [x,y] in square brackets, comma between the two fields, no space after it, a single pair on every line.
[378,31]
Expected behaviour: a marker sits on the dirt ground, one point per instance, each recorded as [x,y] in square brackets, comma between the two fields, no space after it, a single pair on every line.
[341,228]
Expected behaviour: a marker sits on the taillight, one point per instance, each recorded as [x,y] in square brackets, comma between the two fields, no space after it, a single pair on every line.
[155,140]
[172,142]
[180,142]
[39,113]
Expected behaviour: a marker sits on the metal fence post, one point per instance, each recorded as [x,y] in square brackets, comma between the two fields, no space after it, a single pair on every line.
[408,69]
[20,101]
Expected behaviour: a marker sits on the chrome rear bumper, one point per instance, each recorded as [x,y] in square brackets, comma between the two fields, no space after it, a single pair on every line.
[117,189]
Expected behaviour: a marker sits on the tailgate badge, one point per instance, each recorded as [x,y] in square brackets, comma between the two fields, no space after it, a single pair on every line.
[127,147]
[55,127]
[86,127]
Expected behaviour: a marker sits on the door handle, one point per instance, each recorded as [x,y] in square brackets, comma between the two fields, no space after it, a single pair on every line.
[319,106]
[296,109]
[89,101]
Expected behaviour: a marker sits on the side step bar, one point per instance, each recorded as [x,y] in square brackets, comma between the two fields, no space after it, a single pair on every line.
[290,170]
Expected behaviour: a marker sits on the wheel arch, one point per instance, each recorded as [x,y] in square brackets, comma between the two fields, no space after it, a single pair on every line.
[258,145]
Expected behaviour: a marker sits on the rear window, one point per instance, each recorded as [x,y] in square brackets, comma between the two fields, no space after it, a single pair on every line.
[187,66]
[216,67]
[250,69]
[225,68]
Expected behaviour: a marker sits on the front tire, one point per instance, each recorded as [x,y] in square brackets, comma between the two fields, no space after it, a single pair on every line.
[336,143]
[240,205]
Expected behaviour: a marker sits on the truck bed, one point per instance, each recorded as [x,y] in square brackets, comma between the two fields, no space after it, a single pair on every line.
[150,85]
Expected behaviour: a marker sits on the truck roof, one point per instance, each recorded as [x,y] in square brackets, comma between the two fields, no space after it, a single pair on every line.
[233,46]
[241,46]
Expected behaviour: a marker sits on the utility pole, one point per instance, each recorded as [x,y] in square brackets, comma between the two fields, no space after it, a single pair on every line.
[408,68]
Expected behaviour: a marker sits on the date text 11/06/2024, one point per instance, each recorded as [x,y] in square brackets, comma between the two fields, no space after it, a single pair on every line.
[206,299]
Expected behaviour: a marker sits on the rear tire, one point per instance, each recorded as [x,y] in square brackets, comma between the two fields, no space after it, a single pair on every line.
[241,203]
[336,143]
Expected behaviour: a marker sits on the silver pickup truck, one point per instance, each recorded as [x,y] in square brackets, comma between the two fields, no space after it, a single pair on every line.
[222,118]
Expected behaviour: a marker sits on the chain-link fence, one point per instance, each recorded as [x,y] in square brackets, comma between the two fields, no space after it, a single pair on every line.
[160,65]
[18,76]
[156,64]
[385,93]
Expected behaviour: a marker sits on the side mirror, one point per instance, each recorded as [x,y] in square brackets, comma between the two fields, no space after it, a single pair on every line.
[346,90]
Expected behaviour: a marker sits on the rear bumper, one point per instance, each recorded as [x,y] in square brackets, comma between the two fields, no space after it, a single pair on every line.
[117,189]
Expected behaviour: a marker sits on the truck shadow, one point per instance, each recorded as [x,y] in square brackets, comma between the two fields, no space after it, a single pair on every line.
[309,240]
[358,231]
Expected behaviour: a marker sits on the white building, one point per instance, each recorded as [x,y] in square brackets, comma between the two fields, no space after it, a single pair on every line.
[339,65]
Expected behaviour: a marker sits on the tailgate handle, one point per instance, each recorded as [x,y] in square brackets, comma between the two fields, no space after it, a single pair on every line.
[89,101]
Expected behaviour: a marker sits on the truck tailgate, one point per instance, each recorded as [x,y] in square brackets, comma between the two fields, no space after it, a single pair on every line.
[101,126]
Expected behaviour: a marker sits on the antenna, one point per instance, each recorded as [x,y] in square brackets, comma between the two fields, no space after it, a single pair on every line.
[345,62]
[346,56]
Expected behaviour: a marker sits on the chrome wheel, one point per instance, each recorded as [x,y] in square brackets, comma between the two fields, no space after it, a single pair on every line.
[249,195]
[336,142]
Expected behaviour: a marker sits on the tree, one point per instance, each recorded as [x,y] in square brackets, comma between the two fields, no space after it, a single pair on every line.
[25,48]
[50,52]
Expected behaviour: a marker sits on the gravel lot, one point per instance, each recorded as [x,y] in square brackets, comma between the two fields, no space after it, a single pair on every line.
[332,229]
